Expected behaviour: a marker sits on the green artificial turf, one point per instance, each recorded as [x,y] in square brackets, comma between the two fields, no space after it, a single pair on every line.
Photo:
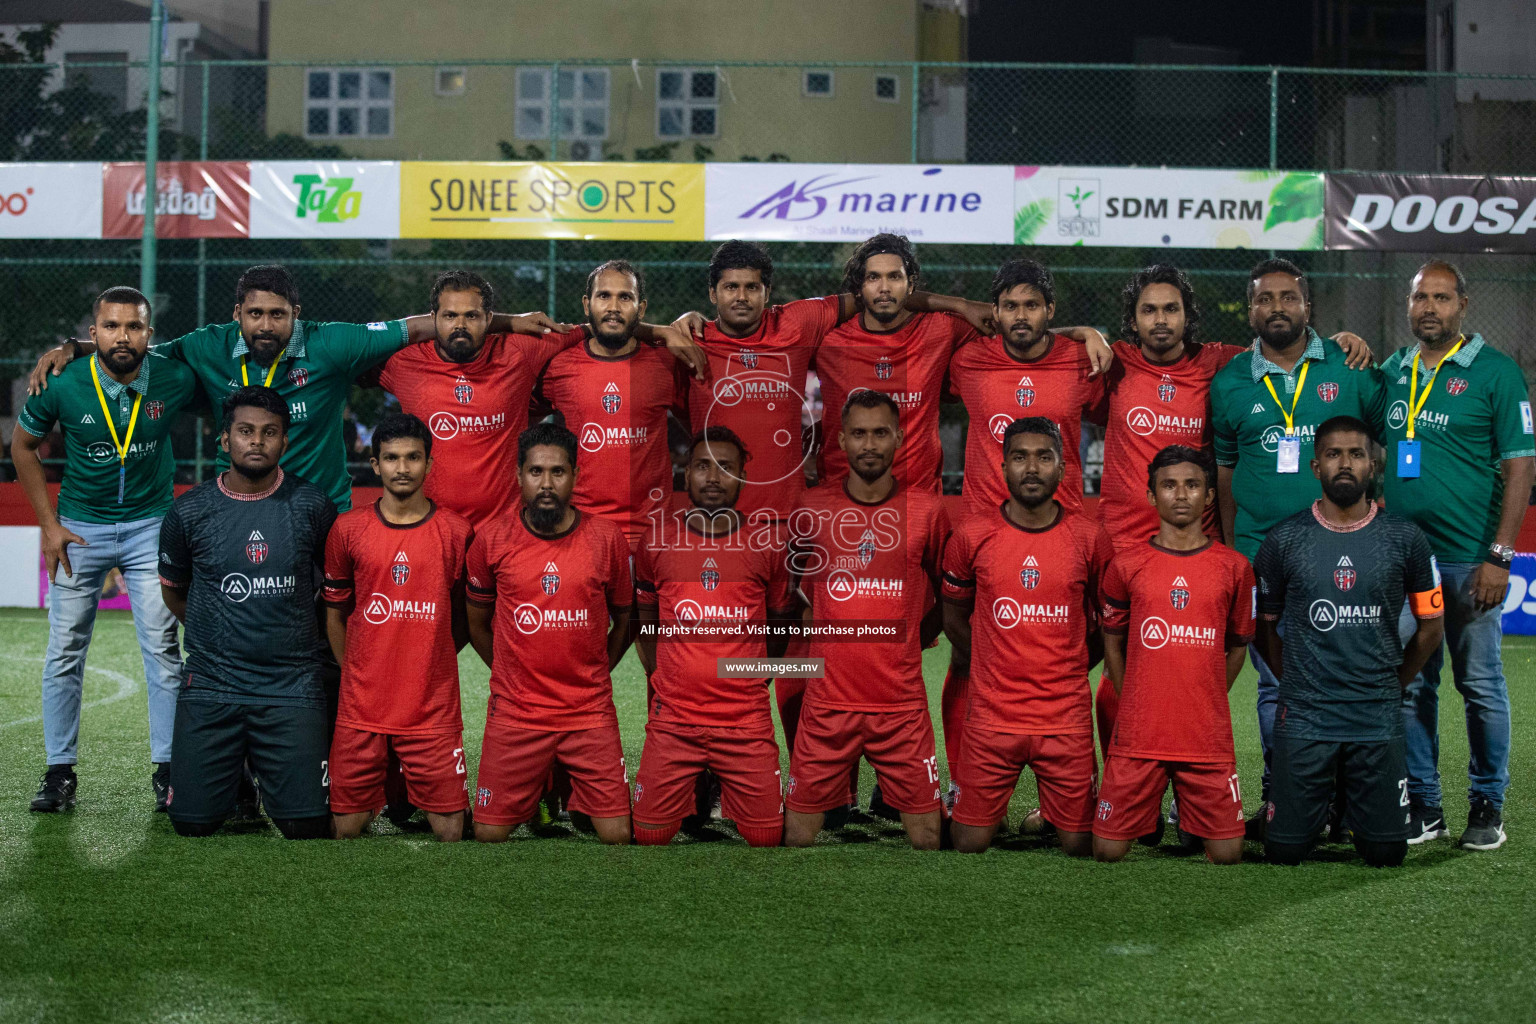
[106,915]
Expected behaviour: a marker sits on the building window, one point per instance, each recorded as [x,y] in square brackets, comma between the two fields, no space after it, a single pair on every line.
[687,104]
[349,102]
[451,81]
[818,83]
[887,88]
[583,103]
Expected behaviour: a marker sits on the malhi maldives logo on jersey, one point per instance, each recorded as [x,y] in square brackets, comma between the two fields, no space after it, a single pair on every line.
[529,618]
[1157,632]
[594,437]
[998,426]
[843,585]
[1145,422]
[381,608]
[446,426]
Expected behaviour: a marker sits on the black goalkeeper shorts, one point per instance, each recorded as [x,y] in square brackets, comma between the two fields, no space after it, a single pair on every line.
[289,749]
[1373,778]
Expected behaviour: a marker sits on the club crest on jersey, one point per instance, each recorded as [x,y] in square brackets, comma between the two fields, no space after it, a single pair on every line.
[1180,598]
[154,410]
[463,391]
[749,359]
[400,573]
[1344,579]
[611,404]
[1025,397]
[298,376]
[1455,385]
[1030,578]
[710,579]
[550,582]
[1328,391]
[256,551]
[866,549]
[883,369]
[1166,390]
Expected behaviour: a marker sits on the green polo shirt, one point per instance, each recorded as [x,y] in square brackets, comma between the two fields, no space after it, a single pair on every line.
[315,375]
[1477,414]
[1248,425]
[89,490]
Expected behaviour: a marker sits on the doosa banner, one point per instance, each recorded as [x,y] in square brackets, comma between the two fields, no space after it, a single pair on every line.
[630,201]
[1432,213]
[192,200]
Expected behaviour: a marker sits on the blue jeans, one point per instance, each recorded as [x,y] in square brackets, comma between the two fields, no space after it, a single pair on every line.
[134,548]
[1475,641]
[1268,700]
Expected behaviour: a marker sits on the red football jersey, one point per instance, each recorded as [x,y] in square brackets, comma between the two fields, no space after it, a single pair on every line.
[1035,592]
[719,586]
[998,389]
[1149,407]
[475,411]
[401,670]
[1181,610]
[759,391]
[617,408]
[908,363]
[870,566]
[552,596]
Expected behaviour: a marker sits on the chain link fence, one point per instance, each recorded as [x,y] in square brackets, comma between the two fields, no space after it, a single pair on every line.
[1105,115]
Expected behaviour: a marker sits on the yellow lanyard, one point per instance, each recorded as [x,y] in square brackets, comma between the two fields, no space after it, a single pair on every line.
[1416,407]
[1289,414]
[120,446]
[271,371]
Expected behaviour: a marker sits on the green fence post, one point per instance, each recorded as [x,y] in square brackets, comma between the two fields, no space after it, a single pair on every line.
[202,281]
[916,72]
[151,150]
[554,153]
[1274,118]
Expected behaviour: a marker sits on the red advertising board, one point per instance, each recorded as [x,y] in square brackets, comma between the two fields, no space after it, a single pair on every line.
[192,200]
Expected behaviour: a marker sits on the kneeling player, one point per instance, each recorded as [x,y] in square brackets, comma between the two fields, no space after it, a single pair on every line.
[239,557]
[704,575]
[1033,569]
[398,643]
[1178,614]
[1335,577]
[869,552]
[549,605]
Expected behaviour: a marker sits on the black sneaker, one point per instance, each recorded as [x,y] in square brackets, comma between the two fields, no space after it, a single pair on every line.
[1485,826]
[248,796]
[1253,831]
[161,782]
[57,793]
[879,808]
[1425,824]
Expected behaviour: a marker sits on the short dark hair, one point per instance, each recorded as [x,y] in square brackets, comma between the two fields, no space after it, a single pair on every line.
[1451,268]
[1034,425]
[463,281]
[1340,425]
[1158,273]
[256,396]
[739,255]
[1024,271]
[884,244]
[1178,454]
[267,277]
[867,399]
[721,435]
[395,426]
[551,435]
[123,293]
[1275,265]
[623,267]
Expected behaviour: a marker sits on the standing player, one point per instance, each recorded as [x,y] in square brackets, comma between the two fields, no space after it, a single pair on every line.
[115,411]
[1178,613]
[703,582]
[868,551]
[398,642]
[241,562]
[1332,579]
[1033,567]
[549,605]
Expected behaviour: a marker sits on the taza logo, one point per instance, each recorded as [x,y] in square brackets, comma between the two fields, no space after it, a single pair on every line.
[331,200]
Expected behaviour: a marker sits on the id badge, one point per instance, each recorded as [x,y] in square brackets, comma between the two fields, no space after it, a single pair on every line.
[1288,457]
[1408,459]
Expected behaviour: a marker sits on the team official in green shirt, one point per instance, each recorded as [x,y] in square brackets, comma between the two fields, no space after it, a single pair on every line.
[1461,456]
[115,410]
[1265,409]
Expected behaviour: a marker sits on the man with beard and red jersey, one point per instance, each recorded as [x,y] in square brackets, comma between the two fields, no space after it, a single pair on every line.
[868,553]
[702,581]
[394,593]
[614,394]
[1032,567]
[1178,615]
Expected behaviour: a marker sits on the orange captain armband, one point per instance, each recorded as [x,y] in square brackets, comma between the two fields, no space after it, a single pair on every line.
[1428,604]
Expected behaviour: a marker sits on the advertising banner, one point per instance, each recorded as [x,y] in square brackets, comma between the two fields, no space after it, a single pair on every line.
[192,200]
[1520,600]
[1157,207]
[325,199]
[50,200]
[1432,213]
[632,201]
[850,202]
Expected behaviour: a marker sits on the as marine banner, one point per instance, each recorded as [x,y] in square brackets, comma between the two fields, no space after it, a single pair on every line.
[1432,213]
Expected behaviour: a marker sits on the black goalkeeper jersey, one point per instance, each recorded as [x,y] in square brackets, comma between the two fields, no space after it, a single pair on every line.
[1338,596]
[253,567]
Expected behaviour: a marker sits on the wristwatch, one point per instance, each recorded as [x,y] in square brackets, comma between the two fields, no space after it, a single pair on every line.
[1500,555]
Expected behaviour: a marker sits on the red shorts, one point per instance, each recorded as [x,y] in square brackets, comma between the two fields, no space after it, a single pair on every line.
[433,767]
[988,770]
[745,760]
[898,744]
[515,763]
[1210,805]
